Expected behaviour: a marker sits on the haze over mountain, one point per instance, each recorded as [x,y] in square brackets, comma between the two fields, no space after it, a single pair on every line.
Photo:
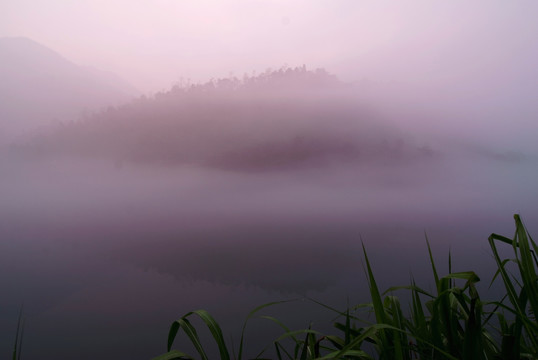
[279,119]
[40,86]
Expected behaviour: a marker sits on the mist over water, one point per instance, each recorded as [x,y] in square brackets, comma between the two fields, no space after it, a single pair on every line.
[234,179]
[97,247]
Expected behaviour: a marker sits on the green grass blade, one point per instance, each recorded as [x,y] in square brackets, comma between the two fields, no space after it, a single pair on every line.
[249,316]
[510,290]
[279,323]
[347,332]
[374,292]
[20,341]
[18,337]
[306,346]
[213,326]
[432,262]
[472,343]
[339,312]
[216,332]
[379,310]
[412,287]
[503,263]
[450,265]
[173,355]
[279,347]
[370,331]
[294,333]
[526,266]
[192,334]
[399,338]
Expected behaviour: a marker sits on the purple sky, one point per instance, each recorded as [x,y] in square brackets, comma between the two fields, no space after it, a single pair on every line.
[153,44]
[88,237]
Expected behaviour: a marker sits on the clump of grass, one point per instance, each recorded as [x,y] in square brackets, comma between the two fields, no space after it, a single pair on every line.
[454,322]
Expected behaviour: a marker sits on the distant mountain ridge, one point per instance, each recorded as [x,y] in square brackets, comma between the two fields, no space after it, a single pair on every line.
[38,86]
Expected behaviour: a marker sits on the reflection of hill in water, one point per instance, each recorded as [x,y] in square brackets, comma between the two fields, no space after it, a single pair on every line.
[277,120]
[287,260]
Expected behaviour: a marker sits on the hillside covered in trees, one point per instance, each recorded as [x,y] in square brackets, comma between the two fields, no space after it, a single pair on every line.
[275,120]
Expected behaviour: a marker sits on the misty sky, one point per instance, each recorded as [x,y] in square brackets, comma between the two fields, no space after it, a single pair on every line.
[248,197]
[152,44]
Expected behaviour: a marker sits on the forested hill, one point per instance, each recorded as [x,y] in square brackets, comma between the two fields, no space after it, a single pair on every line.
[278,119]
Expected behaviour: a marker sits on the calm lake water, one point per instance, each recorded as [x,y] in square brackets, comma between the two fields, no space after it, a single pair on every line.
[104,258]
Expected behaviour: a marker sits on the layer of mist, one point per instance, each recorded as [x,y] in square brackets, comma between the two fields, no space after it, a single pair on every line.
[39,87]
[277,120]
[231,193]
